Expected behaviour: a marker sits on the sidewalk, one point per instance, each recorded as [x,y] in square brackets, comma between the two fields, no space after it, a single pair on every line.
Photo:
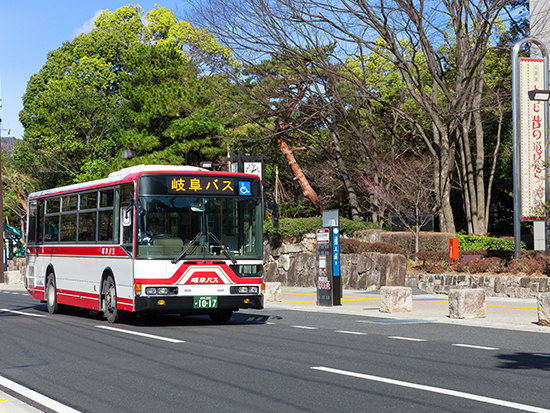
[502,312]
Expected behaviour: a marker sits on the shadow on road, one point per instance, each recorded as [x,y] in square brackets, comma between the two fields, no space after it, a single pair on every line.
[158,320]
[524,361]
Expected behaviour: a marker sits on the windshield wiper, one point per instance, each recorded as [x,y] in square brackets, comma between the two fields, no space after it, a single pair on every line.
[225,250]
[183,253]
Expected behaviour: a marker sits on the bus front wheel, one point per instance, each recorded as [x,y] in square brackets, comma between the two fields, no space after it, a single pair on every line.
[51,296]
[112,313]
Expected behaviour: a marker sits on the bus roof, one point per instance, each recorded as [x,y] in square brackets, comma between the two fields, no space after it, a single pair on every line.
[124,175]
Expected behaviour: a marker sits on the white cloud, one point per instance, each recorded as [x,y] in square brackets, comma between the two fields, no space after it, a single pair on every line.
[88,26]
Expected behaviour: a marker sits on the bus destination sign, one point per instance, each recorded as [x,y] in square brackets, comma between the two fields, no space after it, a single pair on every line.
[201,185]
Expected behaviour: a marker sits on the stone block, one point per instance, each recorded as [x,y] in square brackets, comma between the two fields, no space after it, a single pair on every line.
[543,306]
[13,278]
[284,262]
[393,268]
[467,303]
[395,299]
[273,292]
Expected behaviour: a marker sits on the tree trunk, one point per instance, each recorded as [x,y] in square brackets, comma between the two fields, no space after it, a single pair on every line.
[307,190]
[353,203]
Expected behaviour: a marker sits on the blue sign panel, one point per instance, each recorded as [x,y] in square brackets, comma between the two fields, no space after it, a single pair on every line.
[335,252]
[244,188]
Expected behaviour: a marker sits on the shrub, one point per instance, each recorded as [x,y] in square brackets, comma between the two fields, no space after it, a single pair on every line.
[428,241]
[434,262]
[353,246]
[532,262]
[483,253]
[489,264]
[385,248]
[478,242]
[298,227]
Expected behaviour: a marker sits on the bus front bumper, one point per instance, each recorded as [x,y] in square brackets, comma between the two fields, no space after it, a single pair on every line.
[175,304]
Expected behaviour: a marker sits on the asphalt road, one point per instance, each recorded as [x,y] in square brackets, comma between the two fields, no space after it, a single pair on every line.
[273,360]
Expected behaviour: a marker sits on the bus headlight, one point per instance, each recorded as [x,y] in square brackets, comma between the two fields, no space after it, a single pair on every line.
[241,289]
[161,290]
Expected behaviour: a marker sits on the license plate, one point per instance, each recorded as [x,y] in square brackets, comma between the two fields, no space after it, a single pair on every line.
[205,301]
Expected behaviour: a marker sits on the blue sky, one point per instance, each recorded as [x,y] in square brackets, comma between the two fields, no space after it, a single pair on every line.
[29,29]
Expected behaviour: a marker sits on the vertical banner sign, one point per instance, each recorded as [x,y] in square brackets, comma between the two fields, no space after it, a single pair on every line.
[532,140]
[336,280]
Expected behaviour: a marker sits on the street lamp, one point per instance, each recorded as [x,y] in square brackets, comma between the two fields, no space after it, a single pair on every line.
[539,95]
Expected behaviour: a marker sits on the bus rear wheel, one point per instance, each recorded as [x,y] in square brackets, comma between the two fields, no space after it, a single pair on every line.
[110,310]
[221,316]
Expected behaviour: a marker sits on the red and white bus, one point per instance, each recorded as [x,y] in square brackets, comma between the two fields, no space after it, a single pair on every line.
[172,239]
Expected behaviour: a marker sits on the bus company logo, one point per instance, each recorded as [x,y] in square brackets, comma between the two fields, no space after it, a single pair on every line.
[207,185]
[108,251]
[210,279]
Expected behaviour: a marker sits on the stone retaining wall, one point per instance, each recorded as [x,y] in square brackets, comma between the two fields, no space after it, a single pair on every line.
[294,264]
[494,286]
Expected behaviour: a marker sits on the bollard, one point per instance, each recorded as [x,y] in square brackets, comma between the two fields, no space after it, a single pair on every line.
[395,299]
[467,303]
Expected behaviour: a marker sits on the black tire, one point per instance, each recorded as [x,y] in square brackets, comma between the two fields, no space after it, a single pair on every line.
[110,310]
[51,296]
[221,316]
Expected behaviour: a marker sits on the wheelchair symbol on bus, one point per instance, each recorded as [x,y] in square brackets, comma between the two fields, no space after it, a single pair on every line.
[244,188]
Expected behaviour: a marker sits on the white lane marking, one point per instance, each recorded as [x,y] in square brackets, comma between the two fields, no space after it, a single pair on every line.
[406,338]
[350,332]
[447,392]
[541,355]
[477,347]
[305,327]
[36,397]
[22,313]
[269,322]
[120,330]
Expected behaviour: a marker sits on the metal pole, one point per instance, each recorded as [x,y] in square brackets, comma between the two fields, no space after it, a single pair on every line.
[1,204]
[516,102]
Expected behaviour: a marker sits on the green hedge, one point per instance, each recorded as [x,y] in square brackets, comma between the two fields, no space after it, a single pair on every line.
[298,227]
[478,242]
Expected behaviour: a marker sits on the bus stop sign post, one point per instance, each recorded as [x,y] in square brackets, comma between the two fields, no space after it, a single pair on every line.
[329,284]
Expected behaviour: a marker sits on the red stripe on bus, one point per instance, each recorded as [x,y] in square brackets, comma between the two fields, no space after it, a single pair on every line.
[198,273]
[89,300]
[79,250]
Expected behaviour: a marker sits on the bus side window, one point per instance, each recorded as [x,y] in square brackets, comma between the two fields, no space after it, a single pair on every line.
[31,236]
[40,222]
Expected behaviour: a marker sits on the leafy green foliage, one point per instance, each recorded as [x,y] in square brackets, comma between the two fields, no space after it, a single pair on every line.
[133,82]
[478,242]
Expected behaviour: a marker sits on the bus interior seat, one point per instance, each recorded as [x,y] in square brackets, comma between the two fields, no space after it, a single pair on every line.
[170,246]
[150,251]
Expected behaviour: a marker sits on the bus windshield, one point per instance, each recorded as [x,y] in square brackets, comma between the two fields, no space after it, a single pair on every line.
[199,228]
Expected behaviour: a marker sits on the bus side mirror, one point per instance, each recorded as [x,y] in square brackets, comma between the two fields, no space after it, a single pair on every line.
[126,216]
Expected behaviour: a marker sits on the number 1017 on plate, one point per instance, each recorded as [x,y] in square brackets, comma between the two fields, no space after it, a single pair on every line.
[205,301]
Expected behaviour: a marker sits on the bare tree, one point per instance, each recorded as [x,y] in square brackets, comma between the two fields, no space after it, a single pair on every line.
[310,101]
[407,190]
[438,47]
